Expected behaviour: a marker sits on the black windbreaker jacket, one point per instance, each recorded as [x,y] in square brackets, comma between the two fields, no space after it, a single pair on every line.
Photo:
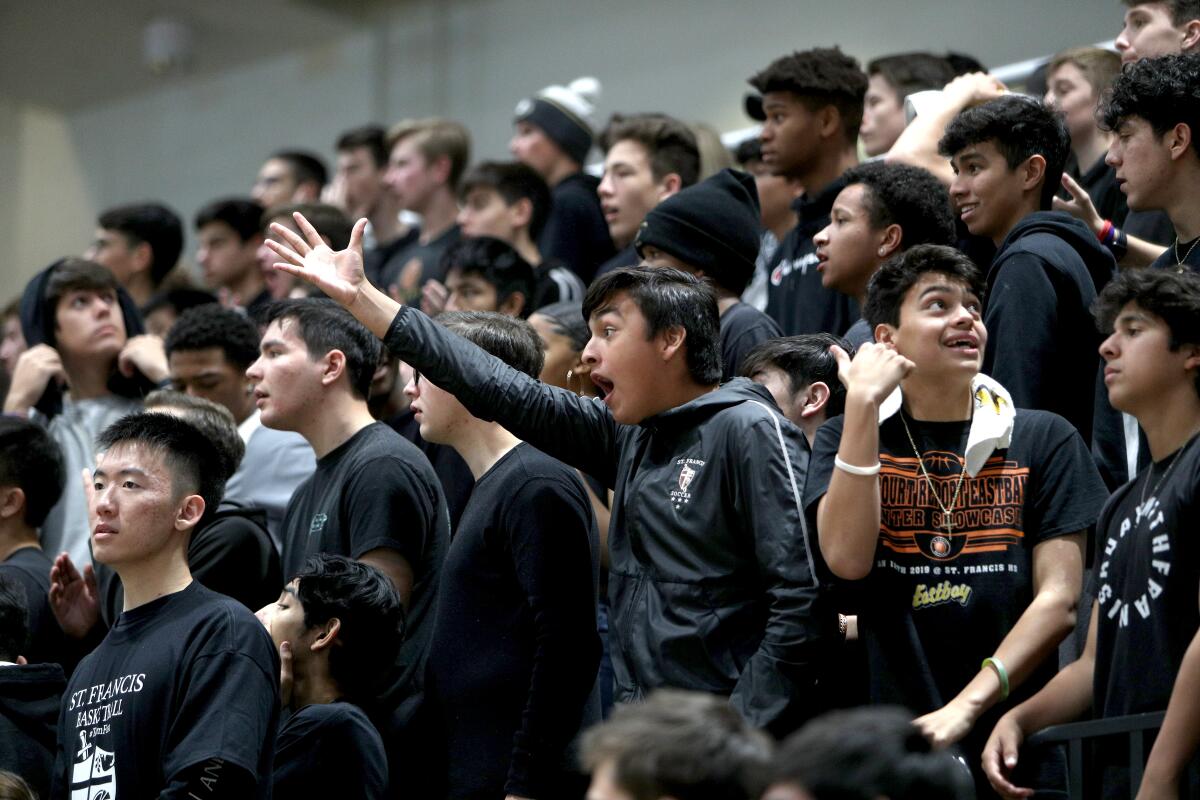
[712,584]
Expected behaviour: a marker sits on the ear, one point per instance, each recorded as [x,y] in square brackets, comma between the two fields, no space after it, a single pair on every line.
[190,512]
[829,122]
[1191,36]
[1033,171]
[143,257]
[513,305]
[893,235]
[441,169]
[1179,139]
[328,635]
[335,367]
[885,335]
[671,341]
[520,213]
[818,397]
[671,184]
[1191,357]
[12,502]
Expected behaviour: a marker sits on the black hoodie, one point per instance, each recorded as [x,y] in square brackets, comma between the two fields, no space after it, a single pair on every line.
[30,697]
[1042,340]
[37,324]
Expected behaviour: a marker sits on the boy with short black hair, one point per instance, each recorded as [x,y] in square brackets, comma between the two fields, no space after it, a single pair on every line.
[674,745]
[890,79]
[511,202]
[31,481]
[1154,110]
[553,135]
[962,516]
[290,176]
[801,374]
[811,106]
[487,274]
[1008,157]
[208,352]
[882,210]
[140,244]
[373,497]
[517,595]
[647,158]
[229,233]
[186,678]
[337,626]
[655,354]
[1143,648]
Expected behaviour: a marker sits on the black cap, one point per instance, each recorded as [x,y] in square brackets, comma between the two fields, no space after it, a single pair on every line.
[566,129]
[753,104]
[713,227]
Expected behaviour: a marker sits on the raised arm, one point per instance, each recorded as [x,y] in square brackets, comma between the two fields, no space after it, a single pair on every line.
[575,430]
[848,514]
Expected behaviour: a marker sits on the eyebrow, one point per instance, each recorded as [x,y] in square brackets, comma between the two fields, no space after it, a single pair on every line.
[290,590]
[99,473]
[265,343]
[944,287]
[608,309]
[1131,316]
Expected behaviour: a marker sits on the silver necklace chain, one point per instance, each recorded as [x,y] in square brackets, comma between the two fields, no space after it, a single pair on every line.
[928,480]
[1185,256]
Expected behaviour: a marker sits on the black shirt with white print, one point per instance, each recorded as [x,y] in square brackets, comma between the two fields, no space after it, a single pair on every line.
[181,699]
[1147,581]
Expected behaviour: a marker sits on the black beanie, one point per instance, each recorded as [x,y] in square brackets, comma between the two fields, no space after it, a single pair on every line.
[562,112]
[713,226]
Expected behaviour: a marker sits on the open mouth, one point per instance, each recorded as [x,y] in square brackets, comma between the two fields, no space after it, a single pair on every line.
[965,342]
[603,384]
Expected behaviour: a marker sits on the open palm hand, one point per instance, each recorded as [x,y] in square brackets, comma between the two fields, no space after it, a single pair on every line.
[339,274]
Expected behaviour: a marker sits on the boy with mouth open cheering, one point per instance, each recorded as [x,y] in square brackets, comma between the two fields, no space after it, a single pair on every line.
[712,584]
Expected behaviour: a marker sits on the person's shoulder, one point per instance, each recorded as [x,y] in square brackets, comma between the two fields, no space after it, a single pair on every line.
[232,625]
[1044,428]
[529,464]
[579,187]
[743,316]
[272,439]
[336,715]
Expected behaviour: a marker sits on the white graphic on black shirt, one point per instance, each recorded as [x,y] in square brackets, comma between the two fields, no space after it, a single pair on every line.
[94,773]
[690,467]
[1150,514]
[789,265]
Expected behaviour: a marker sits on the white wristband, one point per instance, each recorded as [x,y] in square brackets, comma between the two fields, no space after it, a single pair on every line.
[853,470]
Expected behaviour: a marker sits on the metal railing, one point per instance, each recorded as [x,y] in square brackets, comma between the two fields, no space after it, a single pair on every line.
[1074,734]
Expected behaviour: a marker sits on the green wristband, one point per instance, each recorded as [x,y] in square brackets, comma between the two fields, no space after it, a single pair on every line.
[1001,673]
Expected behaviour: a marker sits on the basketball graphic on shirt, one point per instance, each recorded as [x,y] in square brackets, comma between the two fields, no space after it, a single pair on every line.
[985,517]
[94,774]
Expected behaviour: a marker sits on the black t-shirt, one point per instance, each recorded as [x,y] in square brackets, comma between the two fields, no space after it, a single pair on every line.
[1150,226]
[1100,183]
[411,267]
[1147,587]
[30,567]
[742,327]
[575,232]
[514,659]
[936,604]
[860,333]
[376,490]
[795,297]
[555,284]
[178,681]
[1190,251]
[329,750]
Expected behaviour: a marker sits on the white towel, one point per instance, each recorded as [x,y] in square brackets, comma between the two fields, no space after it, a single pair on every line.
[991,420]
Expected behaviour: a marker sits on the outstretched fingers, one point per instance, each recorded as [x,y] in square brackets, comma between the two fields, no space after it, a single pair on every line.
[294,242]
[314,238]
[286,253]
[356,234]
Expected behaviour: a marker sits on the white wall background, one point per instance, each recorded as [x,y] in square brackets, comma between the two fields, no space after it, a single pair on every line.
[205,136]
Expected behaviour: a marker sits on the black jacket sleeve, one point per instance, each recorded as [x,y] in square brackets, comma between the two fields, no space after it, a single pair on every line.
[575,430]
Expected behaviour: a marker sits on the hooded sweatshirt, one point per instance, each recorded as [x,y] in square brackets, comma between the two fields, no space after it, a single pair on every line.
[1042,339]
[30,697]
[74,425]
[712,584]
